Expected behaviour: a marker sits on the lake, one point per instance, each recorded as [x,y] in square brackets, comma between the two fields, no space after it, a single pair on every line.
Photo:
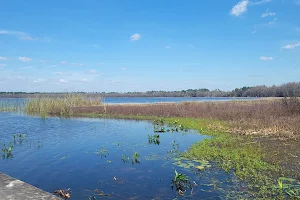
[124,100]
[97,157]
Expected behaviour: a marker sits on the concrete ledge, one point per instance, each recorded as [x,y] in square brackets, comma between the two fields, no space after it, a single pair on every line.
[13,189]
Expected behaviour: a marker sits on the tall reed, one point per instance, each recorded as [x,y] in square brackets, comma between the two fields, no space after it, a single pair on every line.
[60,106]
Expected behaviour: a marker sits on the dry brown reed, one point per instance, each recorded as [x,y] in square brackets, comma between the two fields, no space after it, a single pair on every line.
[262,117]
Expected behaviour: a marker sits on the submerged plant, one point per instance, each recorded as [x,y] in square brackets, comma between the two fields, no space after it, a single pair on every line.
[135,158]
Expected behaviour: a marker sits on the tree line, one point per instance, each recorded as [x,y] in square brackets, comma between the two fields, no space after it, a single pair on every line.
[291,89]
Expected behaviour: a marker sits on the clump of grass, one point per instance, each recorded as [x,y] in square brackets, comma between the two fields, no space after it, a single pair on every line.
[61,106]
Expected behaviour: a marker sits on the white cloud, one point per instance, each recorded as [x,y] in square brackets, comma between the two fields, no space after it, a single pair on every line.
[27,67]
[2,65]
[92,71]
[240,8]
[63,62]
[63,81]
[273,21]
[63,73]
[3,58]
[266,58]
[24,59]
[84,80]
[135,37]
[38,80]
[26,37]
[291,46]
[19,34]
[261,2]
[123,68]
[268,14]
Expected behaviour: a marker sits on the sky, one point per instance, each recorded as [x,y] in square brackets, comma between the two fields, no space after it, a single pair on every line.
[131,45]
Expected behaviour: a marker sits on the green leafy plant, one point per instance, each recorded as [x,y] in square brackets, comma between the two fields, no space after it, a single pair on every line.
[135,158]
[153,139]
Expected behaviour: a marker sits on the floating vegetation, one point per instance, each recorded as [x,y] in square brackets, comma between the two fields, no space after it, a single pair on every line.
[103,152]
[7,151]
[153,139]
[191,164]
[100,193]
[175,148]
[18,138]
[66,194]
[173,126]
[135,158]
[125,159]
[181,183]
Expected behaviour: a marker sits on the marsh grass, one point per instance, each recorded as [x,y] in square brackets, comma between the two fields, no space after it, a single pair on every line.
[276,117]
[58,106]
[12,105]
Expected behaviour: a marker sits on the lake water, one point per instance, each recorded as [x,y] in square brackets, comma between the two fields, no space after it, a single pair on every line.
[88,154]
[124,100]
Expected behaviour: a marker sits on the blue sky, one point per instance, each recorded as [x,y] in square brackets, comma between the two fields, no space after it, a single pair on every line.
[131,45]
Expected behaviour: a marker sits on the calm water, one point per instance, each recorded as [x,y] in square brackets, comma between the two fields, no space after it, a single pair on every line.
[61,153]
[122,100]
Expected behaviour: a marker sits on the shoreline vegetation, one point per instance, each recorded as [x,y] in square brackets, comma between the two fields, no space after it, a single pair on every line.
[256,140]
[284,90]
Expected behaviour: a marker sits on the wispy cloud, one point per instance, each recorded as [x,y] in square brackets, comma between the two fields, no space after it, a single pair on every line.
[92,71]
[267,14]
[273,21]
[38,80]
[63,81]
[19,34]
[63,73]
[68,63]
[24,59]
[260,2]
[3,58]
[84,80]
[2,65]
[27,67]
[291,46]
[242,6]
[135,37]
[168,47]
[123,68]
[266,58]
[43,61]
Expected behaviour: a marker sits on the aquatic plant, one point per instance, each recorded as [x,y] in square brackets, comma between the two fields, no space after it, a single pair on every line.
[18,138]
[7,151]
[102,152]
[154,139]
[181,183]
[288,187]
[125,159]
[135,158]
[61,106]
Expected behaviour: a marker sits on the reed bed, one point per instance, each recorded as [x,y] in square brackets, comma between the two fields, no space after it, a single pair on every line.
[262,117]
[59,106]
